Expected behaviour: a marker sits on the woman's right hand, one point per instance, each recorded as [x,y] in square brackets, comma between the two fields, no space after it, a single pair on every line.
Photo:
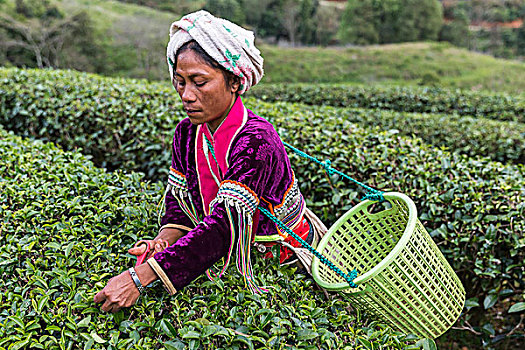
[156,245]
[164,239]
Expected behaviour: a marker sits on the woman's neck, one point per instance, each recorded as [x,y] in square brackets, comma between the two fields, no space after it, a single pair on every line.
[215,124]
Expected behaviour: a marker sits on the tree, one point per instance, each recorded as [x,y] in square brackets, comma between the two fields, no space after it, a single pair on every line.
[44,42]
[328,19]
[390,21]
[42,39]
[140,44]
[289,18]
[520,40]
[457,31]
[359,23]
[254,11]
[228,9]
[308,21]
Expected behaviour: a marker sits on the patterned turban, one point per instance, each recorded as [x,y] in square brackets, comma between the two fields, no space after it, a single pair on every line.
[227,43]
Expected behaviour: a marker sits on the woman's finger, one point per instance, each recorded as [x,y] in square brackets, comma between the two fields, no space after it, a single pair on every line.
[100,297]
[139,249]
[161,245]
[107,306]
[114,308]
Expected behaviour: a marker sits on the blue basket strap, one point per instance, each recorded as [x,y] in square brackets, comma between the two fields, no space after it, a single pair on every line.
[371,193]
[348,277]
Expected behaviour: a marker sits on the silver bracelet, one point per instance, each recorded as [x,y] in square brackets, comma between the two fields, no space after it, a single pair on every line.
[135,279]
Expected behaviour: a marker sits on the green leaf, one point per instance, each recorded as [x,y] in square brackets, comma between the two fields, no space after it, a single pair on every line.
[96,338]
[42,302]
[191,335]
[168,328]
[306,334]
[84,322]
[427,344]
[490,300]
[365,343]
[488,329]
[68,248]
[171,345]
[518,307]
[89,344]
[20,344]
[472,302]
[18,321]
[53,245]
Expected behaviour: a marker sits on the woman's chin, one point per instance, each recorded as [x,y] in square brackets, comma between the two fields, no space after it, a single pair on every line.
[195,118]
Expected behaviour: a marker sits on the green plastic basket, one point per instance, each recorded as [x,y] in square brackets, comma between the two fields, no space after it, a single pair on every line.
[404,280]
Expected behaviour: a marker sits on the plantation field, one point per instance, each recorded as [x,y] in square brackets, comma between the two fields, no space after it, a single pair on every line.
[66,223]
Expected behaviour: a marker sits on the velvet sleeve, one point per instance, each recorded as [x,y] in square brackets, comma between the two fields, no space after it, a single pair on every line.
[252,170]
[179,211]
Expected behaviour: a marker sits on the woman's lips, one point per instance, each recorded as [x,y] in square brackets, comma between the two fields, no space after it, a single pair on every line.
[191,111]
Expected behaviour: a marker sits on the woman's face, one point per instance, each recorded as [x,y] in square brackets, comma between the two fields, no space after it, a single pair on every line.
[205,96]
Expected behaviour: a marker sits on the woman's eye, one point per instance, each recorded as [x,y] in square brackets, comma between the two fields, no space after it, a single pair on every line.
[200,84]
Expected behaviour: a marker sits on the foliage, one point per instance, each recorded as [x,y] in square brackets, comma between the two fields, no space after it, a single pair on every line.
[457,31]
[41,36]
[392,21]
[421,99]
[487,20]
[473,136]
[473,208]
[94,105]
[175,6]
[65,227]
[228,9]
[396,64]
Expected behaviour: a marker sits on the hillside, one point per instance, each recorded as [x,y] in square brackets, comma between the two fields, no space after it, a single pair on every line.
[438,64]
[132,41]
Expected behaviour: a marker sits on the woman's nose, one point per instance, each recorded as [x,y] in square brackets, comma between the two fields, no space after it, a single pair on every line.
[187,94]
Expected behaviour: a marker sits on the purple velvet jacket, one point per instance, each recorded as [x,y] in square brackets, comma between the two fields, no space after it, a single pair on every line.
[257,161]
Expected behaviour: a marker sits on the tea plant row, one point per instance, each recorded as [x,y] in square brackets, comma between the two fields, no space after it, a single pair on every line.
[66,226]
[403,99]
[503,141]
[473,207]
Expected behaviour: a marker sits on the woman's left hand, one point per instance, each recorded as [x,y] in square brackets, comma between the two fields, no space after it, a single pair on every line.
[120,292]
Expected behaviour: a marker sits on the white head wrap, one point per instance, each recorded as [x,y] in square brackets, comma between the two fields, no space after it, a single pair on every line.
[227,43]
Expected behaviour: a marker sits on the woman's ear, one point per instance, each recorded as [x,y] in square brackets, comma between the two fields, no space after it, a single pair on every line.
[235,84]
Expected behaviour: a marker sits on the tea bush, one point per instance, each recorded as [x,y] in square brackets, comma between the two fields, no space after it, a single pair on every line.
[65,227]
[474,136]
[49,104]
[404,99]
[473,207]
[103,116]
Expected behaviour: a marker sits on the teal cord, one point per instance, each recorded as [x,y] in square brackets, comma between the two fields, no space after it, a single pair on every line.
[371,193]
[348,277]
[210,146]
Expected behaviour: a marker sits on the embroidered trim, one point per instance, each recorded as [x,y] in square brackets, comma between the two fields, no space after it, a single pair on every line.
[291,209]
[178,186]
[238,196]
[177,180]
[162,275]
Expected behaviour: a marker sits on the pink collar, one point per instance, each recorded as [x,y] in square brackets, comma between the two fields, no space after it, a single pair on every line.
[210,176]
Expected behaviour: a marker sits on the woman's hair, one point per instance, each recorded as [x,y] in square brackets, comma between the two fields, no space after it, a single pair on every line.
[229,77]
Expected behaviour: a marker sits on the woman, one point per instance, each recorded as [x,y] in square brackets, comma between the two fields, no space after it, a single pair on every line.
[226,162]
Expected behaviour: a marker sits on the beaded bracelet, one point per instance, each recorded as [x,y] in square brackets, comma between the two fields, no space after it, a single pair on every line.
[135,279]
